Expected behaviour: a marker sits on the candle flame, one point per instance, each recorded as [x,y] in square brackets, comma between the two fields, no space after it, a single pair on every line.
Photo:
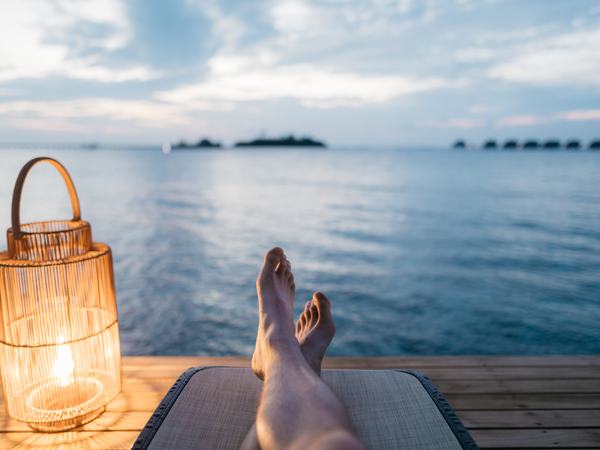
[63,365]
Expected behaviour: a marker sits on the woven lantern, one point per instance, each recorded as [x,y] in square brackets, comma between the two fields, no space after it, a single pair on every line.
[59,337]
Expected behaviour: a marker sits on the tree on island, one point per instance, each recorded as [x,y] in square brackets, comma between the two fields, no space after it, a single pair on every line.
[202,143]
[286,141]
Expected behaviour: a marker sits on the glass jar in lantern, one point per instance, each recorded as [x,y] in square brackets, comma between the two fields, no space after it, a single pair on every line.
[59,338]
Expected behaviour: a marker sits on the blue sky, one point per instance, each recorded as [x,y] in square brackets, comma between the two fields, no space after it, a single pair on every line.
[389,72]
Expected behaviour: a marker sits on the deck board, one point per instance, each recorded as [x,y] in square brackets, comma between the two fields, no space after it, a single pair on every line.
[505,401]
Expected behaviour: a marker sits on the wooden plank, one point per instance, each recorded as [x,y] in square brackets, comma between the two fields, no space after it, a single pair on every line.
[142,401]
[462,361]
[382,361]
[523,401]
[538,438]
[446,386]
[519,386]
[443,373]
[531,419]
[460,373]
[511,373]
[108,421]
[70,440]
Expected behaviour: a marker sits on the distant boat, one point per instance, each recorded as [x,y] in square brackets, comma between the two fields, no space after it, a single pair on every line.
[573,144]
[595,145]
[490,145]
[460,144]
[510,144]
[531,144]
[166,148]
[203,143]
[288,141]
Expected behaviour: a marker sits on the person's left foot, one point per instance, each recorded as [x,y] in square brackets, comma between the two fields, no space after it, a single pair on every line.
[315,330]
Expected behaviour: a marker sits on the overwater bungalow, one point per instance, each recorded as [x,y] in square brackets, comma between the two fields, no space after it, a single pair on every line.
[510,144]
[460,144]
[573,144]
[552,144]
[490,144]
[531,144]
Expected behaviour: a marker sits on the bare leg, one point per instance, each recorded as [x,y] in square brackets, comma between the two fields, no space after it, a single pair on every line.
[297,409]
[315,329]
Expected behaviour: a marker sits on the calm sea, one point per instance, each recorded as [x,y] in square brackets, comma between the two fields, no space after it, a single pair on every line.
[422,252]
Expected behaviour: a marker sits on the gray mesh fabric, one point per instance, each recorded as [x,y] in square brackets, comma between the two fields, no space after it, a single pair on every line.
[389,409]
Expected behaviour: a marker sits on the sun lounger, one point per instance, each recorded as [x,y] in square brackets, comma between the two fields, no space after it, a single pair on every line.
[214,407]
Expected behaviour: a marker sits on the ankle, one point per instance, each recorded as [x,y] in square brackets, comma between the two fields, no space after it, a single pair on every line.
[279,343]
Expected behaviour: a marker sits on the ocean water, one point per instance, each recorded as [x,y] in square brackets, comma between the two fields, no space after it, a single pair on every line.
[421,252]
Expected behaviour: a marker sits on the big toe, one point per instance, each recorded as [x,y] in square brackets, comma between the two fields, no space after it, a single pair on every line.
[273,258]
[323,305]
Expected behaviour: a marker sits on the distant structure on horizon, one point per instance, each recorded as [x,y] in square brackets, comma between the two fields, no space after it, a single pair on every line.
[286,141]
[202,143]
[529,144]
[490,145]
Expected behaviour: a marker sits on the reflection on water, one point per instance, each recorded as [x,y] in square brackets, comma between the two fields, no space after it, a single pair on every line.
[432,252]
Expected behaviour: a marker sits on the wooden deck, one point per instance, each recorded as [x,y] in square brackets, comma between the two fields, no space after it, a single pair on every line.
[506,402]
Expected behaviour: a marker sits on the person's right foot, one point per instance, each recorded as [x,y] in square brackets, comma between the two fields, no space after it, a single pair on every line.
[315,330]
[276,290]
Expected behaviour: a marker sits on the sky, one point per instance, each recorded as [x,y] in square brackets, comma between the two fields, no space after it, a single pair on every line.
[351,72]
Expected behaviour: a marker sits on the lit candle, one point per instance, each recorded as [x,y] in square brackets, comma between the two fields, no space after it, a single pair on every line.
[63,365]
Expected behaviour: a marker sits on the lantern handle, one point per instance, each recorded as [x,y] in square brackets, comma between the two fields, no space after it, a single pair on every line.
[16,200]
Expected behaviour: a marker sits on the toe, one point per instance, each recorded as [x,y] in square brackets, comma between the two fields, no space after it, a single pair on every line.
[273,258]
[314,312]
[283,268]
[323,304]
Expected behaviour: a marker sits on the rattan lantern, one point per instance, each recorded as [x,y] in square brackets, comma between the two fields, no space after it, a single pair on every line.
[59,337]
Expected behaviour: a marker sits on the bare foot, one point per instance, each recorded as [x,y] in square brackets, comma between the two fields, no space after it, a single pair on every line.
[315,329]
[276,289]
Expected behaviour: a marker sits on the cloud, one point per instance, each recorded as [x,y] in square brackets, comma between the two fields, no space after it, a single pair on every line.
[40,29]
[570,58]
[48,124]
[474,55]
[461,123]
[520,121]
[482,108]
[581,115]
[143,113]
[235,78]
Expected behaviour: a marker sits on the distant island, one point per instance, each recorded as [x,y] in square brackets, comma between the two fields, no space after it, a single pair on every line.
[202,143]
[287,141]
